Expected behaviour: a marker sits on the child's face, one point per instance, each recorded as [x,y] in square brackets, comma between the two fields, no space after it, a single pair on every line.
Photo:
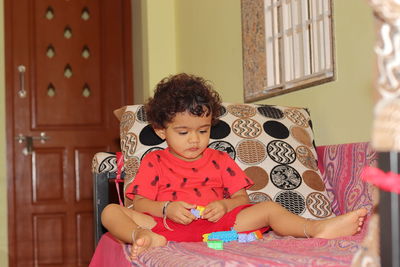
[187,135]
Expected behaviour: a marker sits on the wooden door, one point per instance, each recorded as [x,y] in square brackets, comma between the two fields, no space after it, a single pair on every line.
[67,68]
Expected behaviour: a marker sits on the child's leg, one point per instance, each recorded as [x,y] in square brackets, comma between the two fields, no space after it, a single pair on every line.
[131,226]
[286,223]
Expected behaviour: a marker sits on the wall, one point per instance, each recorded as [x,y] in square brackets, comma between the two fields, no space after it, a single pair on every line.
[342,111]
[204,37]
[154,30]
[3,173]
[206,40]
[154,42]
[210,45]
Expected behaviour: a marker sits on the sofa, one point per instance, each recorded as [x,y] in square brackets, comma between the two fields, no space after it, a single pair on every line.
[325,181]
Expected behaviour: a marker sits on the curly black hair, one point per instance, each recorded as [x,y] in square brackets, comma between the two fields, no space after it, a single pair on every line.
[180,93]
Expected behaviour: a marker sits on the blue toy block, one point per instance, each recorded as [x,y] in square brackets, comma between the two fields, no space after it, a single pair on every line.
[225,236]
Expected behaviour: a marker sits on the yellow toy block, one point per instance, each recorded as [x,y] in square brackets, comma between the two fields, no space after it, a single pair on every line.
[205,237]
[201,209]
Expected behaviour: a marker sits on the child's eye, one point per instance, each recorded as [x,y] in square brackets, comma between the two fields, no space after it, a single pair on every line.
[182,133]
[203,131]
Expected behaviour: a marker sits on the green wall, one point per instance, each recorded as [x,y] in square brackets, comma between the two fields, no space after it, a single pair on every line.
[208,43]
[204,37]
[342,110]
[154,42]
[3,174]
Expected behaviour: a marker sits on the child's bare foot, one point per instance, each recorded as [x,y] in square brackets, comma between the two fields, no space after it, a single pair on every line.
[344,225]
[144,239]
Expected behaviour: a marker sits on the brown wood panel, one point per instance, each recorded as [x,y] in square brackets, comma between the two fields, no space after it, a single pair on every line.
[49,239]
[53,184]
[85,72]
[85,238]
[48,175]
[83,174]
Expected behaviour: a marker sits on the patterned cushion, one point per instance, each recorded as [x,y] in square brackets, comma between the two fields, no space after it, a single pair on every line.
[104,162]
[274,145]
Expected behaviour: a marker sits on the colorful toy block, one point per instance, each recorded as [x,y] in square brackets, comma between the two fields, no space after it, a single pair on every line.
[225,236]
[195,213]
[242,237]
[201,209]
[205,237]
[198,211]
[215,244]
[251,237]
[258,234]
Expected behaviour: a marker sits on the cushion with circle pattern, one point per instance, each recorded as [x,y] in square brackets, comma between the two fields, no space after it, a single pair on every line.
[274,145]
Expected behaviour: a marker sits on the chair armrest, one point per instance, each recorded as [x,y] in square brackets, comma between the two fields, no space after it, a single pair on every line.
[104,169]
[341,166]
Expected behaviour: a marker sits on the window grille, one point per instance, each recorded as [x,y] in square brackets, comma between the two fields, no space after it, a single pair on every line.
[287,45]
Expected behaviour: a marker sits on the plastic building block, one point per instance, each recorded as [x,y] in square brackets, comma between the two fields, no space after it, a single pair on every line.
[205,237]
[201,209]
[258,234]
[198,211]
[215,244]
[225,236]
[195,213]
[242,237]
[251,237]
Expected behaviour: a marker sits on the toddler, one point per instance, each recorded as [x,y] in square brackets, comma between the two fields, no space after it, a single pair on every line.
[187,173]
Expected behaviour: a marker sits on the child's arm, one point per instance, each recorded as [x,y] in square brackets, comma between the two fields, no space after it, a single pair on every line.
[177,211]
[216,209]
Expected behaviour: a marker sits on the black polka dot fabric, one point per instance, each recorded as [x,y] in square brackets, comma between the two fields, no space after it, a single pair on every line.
[220,130]
[148,137]
[274,145]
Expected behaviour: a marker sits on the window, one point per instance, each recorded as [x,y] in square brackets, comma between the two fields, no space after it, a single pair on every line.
[287,46]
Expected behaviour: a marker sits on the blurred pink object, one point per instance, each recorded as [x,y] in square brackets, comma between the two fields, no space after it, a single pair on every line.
[387,181]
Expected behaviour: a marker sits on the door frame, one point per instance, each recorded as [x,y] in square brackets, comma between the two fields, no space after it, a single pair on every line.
[126,21]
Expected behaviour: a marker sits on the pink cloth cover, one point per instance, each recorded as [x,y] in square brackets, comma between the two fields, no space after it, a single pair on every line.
[341,166]
[272,250]
[110,252]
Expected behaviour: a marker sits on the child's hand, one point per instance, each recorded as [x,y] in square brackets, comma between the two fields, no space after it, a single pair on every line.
[215,210]
[179,211]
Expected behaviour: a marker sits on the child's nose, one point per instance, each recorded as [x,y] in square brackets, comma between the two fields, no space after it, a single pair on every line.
[194,138]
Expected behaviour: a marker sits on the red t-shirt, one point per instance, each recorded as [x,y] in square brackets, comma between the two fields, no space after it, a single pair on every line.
[162,177]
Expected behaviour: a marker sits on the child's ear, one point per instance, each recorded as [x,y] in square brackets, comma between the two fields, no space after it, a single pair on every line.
[160,133]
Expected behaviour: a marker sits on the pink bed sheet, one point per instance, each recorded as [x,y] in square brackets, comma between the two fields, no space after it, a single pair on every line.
[110,252]
[340,165]
[272,250]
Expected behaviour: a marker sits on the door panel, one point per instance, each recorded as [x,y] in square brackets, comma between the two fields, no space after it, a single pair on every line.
[48,162]
[49,241]
[72,72]
[72,54]
[76,56]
